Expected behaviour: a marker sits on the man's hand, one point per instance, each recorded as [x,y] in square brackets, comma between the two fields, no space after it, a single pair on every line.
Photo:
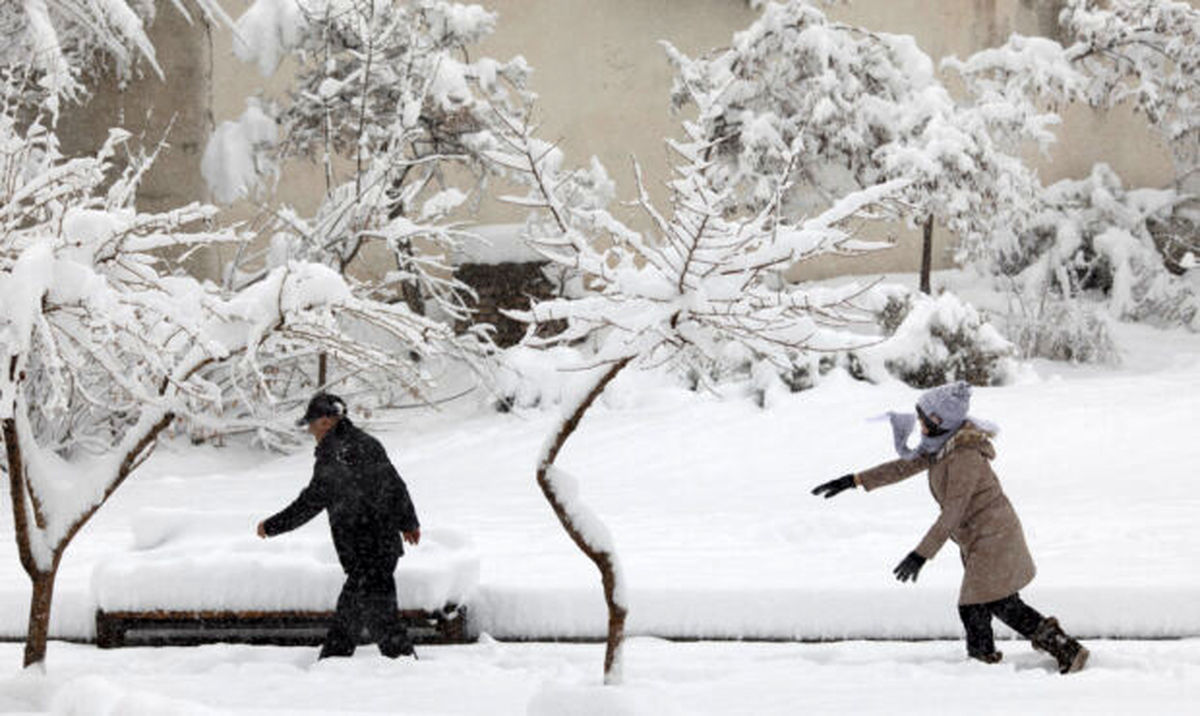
[262,529]
[909,567]
[413,537]
[833,487]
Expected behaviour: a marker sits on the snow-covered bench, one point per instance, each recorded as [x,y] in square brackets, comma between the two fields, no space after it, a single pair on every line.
[197,577]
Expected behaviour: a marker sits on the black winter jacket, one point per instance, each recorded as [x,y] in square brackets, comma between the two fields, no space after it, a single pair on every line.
[367,501]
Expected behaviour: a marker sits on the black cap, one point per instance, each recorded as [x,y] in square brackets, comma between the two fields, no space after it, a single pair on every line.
[323,405]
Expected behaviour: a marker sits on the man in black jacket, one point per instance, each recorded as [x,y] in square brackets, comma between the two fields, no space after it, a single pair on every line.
[370,516]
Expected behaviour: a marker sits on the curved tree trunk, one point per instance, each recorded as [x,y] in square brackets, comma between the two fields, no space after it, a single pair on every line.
[603,560]
[41,578]
[42,581]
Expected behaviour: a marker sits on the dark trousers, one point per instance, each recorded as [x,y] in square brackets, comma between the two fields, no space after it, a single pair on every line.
[977,619]
[367,607]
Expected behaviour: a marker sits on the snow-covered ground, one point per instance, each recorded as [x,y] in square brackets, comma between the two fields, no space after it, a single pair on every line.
[664,679]
[708,501]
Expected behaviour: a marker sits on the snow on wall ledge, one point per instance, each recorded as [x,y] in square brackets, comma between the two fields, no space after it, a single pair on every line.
[818,614]
[186,560]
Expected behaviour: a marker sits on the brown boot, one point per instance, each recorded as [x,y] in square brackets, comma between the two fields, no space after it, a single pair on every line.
[1069,653]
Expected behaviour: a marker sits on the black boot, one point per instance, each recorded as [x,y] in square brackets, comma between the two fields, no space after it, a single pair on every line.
[1070,654]
[981,644]
[990,657]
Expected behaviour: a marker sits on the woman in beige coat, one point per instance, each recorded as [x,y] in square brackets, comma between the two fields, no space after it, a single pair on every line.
[976,515]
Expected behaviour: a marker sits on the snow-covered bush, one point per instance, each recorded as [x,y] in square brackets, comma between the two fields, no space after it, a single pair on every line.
[534,377]
[1130,247]
[1093,241]
[936,340]
[1062,330]
[920,340]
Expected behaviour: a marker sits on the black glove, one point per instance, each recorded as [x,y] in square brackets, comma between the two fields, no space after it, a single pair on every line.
[909,567]
[833,487]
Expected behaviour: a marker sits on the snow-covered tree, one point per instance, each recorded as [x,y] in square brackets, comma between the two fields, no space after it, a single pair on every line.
[709,275]
[1142,53]
[388,101]
[1093,237]
[1008,89]
[104,341]
[856,108]
[386,87]
[1145,53]
[59,41]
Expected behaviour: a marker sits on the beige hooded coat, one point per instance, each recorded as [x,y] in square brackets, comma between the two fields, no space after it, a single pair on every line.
[975,514]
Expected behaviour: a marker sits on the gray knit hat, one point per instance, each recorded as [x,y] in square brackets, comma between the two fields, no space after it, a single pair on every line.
[947,405]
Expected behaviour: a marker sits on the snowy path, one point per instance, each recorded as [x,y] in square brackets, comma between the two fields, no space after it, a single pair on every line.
[709,504]
[708,501]
[666,679]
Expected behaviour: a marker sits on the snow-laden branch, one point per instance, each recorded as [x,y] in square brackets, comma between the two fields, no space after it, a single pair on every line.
[59,40]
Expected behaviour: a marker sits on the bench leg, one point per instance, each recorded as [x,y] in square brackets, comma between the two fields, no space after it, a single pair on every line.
[110,631]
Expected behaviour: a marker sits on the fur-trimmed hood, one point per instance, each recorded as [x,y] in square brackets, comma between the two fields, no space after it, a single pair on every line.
[970,435]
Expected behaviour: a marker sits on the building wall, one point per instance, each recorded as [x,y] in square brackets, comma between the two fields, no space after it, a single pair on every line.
[603,82]
[604,85]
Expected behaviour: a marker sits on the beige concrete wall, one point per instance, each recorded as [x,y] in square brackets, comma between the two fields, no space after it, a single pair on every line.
[601,75]
[300,185]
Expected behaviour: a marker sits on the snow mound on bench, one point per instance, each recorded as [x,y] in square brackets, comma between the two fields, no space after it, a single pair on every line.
[213,561]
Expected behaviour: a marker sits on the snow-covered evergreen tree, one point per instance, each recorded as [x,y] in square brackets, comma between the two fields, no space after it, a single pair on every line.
[855,108]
